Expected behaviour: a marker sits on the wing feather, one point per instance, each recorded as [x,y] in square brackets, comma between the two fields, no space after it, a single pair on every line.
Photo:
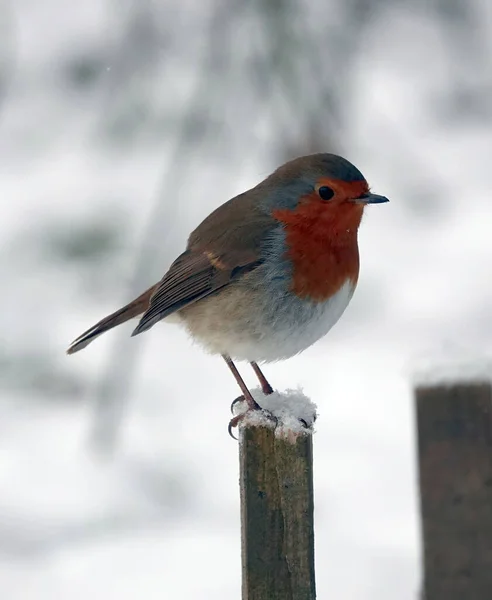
[217,255]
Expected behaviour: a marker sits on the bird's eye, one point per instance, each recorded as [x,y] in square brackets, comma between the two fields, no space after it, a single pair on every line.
[325,192]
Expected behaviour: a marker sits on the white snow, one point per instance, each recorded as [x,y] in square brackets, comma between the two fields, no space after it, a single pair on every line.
[294,411]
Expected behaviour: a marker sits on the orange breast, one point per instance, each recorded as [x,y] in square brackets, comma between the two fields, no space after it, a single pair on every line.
[322,245]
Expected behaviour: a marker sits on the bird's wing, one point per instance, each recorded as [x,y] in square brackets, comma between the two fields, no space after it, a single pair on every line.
[224,247]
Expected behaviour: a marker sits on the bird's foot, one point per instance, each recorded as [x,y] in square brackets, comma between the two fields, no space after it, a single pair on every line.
[253,409]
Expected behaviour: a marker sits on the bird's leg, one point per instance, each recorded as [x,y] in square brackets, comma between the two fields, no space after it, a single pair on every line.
[252,404]
[266,388]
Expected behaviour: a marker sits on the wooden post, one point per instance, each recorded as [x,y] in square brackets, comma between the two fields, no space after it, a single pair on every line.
[277,531]
[455,454]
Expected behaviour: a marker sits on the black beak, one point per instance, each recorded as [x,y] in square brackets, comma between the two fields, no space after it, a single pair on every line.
[371,199]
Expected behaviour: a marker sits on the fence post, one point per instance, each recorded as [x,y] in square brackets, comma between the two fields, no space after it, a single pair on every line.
[277,530]
[455,459]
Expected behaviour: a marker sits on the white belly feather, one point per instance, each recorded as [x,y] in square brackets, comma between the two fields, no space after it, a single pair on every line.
[263,328]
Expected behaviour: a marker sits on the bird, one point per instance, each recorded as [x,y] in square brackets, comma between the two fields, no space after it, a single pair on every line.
[266,274]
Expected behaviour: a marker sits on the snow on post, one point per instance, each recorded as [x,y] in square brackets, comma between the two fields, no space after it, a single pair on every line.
[454,420]
[276,483]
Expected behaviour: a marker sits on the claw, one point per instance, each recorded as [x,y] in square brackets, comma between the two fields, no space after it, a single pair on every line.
[236,401]
[234,422]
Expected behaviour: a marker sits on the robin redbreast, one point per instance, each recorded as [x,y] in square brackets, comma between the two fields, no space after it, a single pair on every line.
[266,274]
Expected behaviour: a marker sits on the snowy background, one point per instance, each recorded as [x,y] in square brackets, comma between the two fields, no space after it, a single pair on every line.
[122,124]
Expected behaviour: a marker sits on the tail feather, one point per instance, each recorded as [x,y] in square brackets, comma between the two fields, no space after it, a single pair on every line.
[131,310]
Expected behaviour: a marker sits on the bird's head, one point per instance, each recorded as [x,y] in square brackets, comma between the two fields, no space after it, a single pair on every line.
[319,186]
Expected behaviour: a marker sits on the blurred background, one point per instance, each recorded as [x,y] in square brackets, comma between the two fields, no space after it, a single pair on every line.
[122,125]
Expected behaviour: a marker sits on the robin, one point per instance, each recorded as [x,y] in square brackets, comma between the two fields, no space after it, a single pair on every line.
[266,274]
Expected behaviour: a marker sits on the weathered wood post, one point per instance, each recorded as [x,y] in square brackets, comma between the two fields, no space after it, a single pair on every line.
[277,504]
[455,455]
